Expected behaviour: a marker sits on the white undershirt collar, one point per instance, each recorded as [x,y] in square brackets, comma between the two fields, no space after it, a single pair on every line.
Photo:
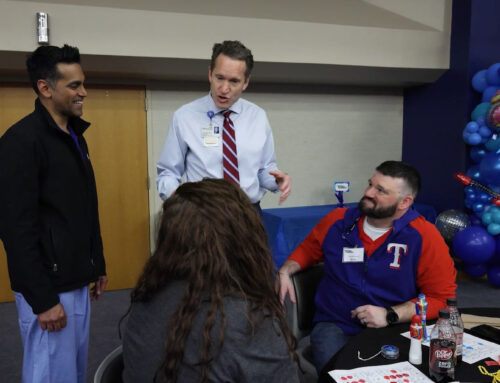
[374,232]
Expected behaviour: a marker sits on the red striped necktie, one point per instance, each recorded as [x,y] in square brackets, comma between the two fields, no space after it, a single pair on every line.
[229,152]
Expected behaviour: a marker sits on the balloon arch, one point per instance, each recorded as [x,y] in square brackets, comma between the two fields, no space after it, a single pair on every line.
[475,237]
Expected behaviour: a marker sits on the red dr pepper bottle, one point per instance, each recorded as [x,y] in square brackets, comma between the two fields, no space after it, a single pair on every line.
[442,350]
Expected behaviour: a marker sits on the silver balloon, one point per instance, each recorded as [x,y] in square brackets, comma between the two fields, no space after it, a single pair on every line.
[450,222]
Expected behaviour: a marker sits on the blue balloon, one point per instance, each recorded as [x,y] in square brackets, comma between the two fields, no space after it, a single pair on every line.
[484,131]
[494,275]
[489,92]
[474,245]
[493,74]
[495,214]
[486,218]
[470,190]
[477,153]
[472,127]
[494,229]
[480,110]
[465,136]
[474,139]
[479,82]
[474,172]
[476,270]
[483,197]
[478,207]
[470,199]
[489,168]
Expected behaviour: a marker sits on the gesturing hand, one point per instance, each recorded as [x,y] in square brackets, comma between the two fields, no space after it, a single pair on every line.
[284,182]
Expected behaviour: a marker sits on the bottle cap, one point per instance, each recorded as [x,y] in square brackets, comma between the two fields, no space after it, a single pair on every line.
[416,319]
[451,301]
[444,314]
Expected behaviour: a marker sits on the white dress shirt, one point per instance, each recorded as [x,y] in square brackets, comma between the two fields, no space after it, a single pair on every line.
[189,152]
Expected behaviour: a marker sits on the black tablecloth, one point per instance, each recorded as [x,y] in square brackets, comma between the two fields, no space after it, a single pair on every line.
[369,342]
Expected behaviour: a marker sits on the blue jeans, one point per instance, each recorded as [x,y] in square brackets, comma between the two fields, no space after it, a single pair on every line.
[326,339]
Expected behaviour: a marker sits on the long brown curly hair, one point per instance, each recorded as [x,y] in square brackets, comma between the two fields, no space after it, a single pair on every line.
[211,236]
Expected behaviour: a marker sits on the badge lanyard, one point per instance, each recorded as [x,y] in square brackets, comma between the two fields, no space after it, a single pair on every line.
[349,231]
[210,115]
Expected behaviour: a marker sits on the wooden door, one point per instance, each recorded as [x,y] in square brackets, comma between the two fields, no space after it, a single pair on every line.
[118,150]
[15,103]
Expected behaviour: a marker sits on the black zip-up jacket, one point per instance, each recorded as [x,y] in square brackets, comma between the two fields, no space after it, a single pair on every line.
[49,221]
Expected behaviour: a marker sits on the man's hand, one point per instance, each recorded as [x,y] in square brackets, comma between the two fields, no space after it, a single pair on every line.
[370,316]
[284,182]
[375,316]
[283,283]
[98,288]
[54,319]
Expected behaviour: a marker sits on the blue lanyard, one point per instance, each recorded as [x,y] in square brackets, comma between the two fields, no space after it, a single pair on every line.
[345,234]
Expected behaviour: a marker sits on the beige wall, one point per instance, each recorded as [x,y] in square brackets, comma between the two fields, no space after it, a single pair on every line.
[353,33]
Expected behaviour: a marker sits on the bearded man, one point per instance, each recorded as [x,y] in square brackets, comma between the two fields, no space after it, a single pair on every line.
[377,257]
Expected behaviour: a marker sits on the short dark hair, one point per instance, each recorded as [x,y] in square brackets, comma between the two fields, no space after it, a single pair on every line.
[42,63]
[236,50]
[400,169]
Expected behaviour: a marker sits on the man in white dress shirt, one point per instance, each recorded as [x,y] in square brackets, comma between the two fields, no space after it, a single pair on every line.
[197,140]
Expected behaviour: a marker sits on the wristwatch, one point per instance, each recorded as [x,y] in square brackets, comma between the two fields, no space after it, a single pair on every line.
[392,316]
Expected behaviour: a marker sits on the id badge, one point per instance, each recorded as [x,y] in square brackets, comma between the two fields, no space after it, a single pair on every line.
[210,139]
[353,254]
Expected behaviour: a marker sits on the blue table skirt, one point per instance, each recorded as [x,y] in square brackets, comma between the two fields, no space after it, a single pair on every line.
[287,227]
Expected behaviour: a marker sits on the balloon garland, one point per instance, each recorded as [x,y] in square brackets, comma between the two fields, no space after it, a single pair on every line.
[478,244]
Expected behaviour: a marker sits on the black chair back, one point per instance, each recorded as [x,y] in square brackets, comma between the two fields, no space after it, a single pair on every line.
[305,283]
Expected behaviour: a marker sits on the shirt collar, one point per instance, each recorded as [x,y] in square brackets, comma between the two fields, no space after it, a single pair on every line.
[235,108]
[78,125]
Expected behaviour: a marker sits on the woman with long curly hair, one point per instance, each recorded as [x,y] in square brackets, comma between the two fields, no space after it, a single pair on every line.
[204,308]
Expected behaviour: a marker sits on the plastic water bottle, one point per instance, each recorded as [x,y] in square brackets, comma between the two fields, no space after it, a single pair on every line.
[442,350]
[458,326]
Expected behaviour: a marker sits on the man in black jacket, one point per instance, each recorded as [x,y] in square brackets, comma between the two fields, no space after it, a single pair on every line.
[49,221]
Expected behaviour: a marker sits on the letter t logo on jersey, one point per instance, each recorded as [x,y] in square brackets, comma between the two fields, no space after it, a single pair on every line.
[399,250]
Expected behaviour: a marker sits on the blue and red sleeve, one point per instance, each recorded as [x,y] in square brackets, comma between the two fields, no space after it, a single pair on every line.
[436,271]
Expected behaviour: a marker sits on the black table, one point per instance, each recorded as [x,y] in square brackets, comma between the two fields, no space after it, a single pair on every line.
[369,342]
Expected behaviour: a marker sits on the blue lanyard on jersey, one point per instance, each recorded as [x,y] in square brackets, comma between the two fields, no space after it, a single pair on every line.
[346,234]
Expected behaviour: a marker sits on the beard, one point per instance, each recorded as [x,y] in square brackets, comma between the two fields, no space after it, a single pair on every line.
[374,212]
